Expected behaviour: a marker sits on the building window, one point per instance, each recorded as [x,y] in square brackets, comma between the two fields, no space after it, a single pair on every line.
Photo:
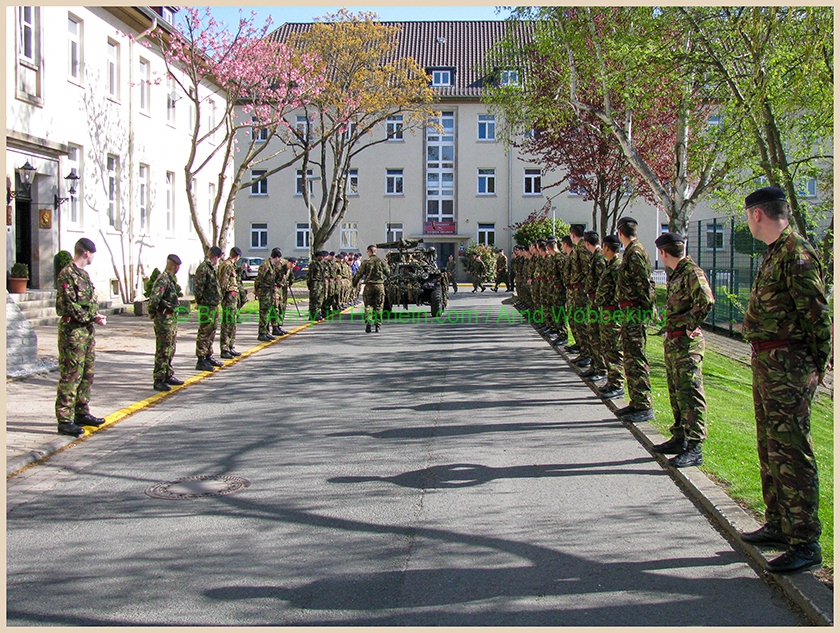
[393,231]
[394,127]
[349,235]
[353,182]
[170,202]
[486,127]
[440,169]
[440,210]
[533,186]
[260,133]
[28,35]
[577,190]
[350,132]
[714,237]
[113,69]
[74,166]
[166,14]
[302,235]
[259,236]
[171,98]
[74,48]
[487,182]
[143,177]
[807,188]
[302,127]
[509,78]
[145,86]
[441,77]
[259,188]
[394,182]
[299,182]
[112,168]
[211,119]
[487,234]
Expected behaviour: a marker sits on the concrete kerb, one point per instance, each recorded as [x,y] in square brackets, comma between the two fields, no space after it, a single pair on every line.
[804,590]
[16,464]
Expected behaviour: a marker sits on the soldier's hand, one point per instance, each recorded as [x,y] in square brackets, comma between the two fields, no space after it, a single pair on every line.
[100,319]
[695,333]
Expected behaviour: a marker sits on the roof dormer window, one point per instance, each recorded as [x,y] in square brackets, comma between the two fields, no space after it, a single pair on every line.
[441,77]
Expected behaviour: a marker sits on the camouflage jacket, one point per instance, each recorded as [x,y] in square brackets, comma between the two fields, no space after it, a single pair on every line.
[283,276]
[316,272]
[690,298]
[264,283]
[373,269]
[478,268]
[75,298]
[207,291]
[229,276]
[597,264]
[605,294]
[788,300]
[559,265]
[579,265]
[635,284]
[501,264]
[164,294]
[451,266]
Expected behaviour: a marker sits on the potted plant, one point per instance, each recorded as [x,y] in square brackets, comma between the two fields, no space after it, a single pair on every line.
[18,277]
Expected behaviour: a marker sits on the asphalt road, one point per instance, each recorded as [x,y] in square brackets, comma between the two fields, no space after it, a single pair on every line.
[438,473]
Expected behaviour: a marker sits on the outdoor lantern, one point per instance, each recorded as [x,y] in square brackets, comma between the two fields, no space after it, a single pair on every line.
[72,180]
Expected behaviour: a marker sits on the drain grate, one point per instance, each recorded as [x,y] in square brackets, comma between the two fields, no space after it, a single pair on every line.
[196,487]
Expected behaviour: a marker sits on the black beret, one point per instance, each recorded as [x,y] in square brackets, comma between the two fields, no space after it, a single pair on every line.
[625,220]
[236,251]
[332,253]
[765,194]
[668,238]
[276,252]
[552,239]
[292,259]
[612,241]
[87,244]
[215,251]
[172,257]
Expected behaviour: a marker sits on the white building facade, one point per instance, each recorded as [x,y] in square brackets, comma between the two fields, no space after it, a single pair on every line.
[86,97]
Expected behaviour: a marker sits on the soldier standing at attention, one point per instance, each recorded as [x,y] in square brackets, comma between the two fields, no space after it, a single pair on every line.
[264,289]
[230,282]
[163,306]
[576,295]
[789,328]
[501,270]
[597,264]
[76,305]
[557,272]
[315,282]
[374,270]
[605,301]
[284,277]
[635,296]
[208,297]
[451,266]
[689,302]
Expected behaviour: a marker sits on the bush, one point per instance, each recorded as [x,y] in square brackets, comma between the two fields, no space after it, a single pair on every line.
[150,282]
[19,271]
[536,226]
[487,255]
[60,262]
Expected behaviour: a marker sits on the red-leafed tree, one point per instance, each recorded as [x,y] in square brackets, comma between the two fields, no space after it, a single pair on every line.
[220,71]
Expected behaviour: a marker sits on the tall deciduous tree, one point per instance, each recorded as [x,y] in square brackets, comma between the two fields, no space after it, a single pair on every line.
[366,83]
[244,68]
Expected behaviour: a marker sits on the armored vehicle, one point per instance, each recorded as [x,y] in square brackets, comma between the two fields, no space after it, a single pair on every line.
[415,277]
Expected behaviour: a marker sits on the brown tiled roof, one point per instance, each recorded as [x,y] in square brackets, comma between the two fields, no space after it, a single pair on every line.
[460,46]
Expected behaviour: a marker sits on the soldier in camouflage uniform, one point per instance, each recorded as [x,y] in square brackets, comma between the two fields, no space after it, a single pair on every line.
[478,271]
[163,309]
[230,284]
[315,279]
[597,264]
[576,299]
[689,302]
[374,270]
[501,270]
[208,297]
[451,267]
[264,289]
[636,295]
[556,274]
[76,304]
[789,328]
[330,284]
[610,331]
[345,281]
[284,277]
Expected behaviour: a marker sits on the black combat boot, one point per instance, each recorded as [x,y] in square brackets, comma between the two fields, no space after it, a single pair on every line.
[799,557]
[226,354]
[68,428]
[769,533]
[692,455]
[367,328]
[173,381]
[674,446]
[161,386]
[376,328]
[214,362]
[86,419]
[637,415]
[204,365]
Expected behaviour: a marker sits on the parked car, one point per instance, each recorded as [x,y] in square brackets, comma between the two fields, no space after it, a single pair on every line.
[250,267]
[301,268]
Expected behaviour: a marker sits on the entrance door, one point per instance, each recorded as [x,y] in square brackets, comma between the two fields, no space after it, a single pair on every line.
[444,251]
[23,232]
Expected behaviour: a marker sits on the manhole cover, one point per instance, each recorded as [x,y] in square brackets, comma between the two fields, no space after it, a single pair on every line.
[195,487]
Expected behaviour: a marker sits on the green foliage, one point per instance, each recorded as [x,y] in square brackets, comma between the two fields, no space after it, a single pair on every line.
[60,261]
[485,252]
[150,283]
[536,226]
[19,270]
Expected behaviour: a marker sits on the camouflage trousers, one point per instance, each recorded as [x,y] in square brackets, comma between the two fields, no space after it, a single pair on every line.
[636,367]
[478,282]
[555,315]
[593,338]
[374,296]
[502,278]
[76,355]
[230,315]
[208,321]
[575,301]
[281,298]
[684,373]
[267,312]
[610,348]
[166,333]
[316,299]
[784,382]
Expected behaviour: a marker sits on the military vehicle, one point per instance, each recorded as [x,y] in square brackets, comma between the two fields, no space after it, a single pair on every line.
[415,277]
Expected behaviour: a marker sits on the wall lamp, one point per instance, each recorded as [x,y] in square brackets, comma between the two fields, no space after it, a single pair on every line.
[72,180]
[26,174]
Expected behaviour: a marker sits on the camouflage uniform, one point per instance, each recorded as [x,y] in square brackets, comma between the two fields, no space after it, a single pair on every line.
[501,271]
[315,283]
[264,289]
[76,304]
[635,296]
[283,279]
[610,331]
[597,264]
[558,295]
[230,284]
[330,285]
[478,270]
[346,283]
[689,302]
[788,325]
[450,273]
[208,296]
[374,270]
[163,306]
[576,299]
